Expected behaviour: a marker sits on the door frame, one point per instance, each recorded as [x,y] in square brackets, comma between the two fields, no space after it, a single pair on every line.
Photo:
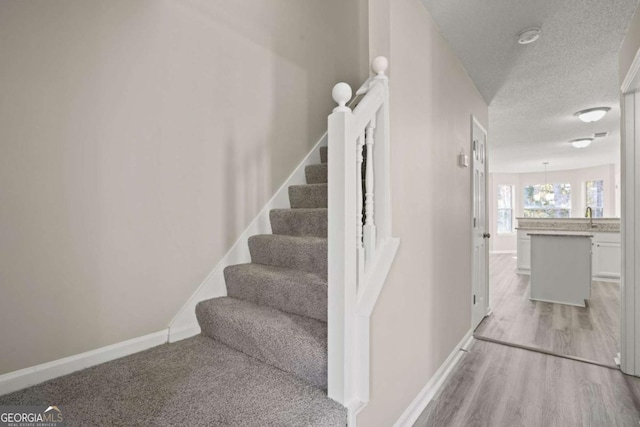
[475,122]
[630,220]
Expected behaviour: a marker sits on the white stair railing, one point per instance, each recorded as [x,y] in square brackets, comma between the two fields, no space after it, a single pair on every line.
[361,248]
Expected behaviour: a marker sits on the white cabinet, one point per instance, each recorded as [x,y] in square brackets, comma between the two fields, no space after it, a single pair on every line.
[607,257]
[561,268]
[524,253]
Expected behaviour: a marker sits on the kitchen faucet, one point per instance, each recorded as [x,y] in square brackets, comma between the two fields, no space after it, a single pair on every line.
[589,214]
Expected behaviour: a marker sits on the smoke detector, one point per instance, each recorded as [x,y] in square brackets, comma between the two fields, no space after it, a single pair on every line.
[529,35]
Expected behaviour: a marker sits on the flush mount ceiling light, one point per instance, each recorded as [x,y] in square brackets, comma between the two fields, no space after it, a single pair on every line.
[581,142]
[592,114]
[529,35]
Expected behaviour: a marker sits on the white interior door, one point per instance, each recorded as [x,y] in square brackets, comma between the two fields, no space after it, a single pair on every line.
[480,263]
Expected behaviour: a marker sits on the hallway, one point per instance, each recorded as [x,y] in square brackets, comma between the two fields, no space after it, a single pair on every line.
[499,386]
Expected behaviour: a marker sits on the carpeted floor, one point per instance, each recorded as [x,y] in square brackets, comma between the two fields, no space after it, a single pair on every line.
[195,382]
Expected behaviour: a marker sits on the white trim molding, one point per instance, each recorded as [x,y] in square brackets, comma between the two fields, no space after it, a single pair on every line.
[185,324]
[630,81]
[630,221]
[411,414]
[18,380]
[503,252]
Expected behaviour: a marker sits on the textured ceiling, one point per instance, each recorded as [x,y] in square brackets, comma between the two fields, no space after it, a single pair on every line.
[534,90]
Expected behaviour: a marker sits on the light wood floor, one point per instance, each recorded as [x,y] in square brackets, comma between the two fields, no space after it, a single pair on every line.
[499,386]
[589,333]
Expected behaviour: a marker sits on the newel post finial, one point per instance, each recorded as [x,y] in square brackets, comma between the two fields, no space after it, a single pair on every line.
[341,93]
[379,65]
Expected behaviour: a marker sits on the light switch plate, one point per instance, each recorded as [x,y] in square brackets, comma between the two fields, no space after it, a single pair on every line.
[463,160]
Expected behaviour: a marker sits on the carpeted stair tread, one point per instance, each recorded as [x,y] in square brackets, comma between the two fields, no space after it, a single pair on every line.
[316,174]
[292,291]
[297,253]
[292,343]
[323,154]
[299,222]
[193,382]
[308,196]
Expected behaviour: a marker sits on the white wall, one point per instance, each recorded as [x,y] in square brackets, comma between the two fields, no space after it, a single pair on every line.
[138,139]
[575,177]
[424,309]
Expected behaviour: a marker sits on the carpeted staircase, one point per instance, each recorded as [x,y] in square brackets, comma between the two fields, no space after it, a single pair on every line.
[267,362]
[276,308]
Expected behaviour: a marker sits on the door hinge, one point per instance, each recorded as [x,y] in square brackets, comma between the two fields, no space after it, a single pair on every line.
[474,222]
[474,300]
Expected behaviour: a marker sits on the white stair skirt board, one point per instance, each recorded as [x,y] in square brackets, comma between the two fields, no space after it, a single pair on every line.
[23,378]
[423,398]
[184,324]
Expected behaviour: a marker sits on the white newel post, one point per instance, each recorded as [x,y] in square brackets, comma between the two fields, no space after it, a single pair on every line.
[342,244]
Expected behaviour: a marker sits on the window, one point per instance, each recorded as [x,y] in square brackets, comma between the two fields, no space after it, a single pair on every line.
[547,201]
[505,209]
[595,197]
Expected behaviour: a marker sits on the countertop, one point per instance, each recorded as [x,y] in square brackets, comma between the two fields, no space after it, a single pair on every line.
[557,233]
[580,225]
[567,230]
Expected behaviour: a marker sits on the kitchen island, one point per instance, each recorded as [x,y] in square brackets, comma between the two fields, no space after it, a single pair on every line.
[561,267]
[606,251]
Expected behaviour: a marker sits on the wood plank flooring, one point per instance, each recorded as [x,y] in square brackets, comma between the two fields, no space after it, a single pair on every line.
[589,333]
[495,386]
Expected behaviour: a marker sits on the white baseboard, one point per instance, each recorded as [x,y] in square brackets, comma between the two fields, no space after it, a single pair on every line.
[185,324]
[18,380]
[179,334]
[411,414]
[502,252]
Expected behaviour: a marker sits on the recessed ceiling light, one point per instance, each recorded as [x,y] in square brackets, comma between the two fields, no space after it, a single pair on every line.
[592,114]
[529,35]
[581,142]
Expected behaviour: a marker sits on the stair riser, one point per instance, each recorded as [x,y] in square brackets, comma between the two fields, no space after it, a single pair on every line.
[316,174]
[304,295]
[309,256]
[291,343]
[299,222]
[308,196]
